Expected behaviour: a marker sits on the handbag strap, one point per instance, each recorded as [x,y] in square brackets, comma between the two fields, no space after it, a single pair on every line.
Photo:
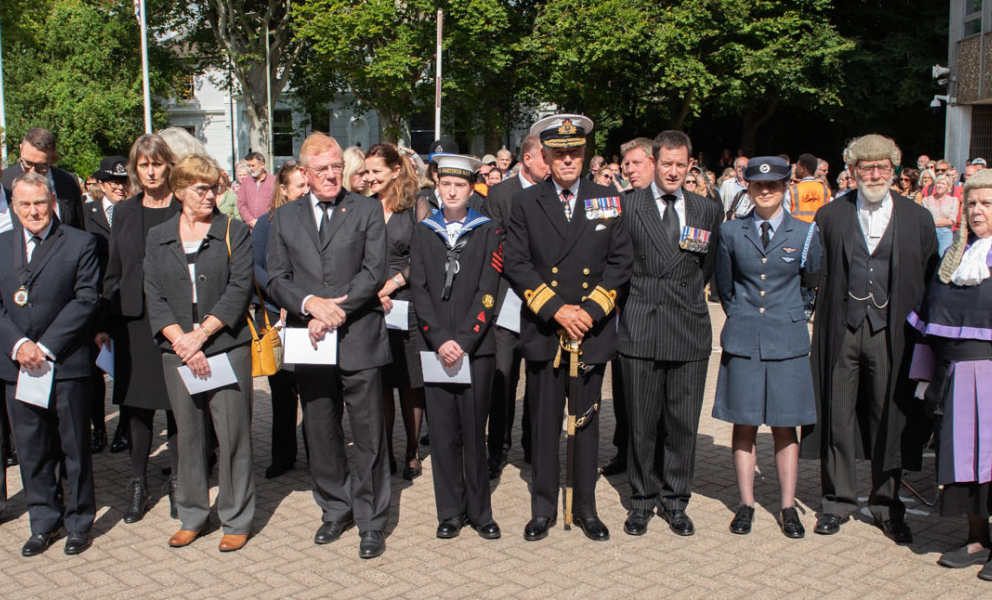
[251,325]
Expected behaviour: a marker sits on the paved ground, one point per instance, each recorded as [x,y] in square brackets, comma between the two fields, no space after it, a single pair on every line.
[134,561]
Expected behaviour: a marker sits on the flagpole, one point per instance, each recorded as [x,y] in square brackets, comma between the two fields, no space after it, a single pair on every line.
[140,10]
[437,82]
[3,117]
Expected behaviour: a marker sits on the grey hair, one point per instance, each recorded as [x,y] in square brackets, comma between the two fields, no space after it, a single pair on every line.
[32,178]
[182,143]
[952,258]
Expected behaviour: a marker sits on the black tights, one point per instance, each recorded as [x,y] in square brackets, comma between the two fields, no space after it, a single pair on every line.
[141,421]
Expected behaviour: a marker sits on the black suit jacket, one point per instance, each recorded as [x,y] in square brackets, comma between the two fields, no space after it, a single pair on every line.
[913,261]
[665,315]
[66,191]
[353,263]
[123,283]
[95,222]
[552,261]
[62,300]
[497,207]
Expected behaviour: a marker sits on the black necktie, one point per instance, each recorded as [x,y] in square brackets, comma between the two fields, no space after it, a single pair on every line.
[566,195]
[36,239]
[766,227]
[670,223]
[325,222]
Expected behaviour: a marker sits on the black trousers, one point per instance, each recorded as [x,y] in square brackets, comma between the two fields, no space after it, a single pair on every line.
[98,396]
[859,385]
[285,396]
[5,437]
[620,433]
[504,396]
[44,437]
[548,388]
[662,396]
[458,444]
[361,493]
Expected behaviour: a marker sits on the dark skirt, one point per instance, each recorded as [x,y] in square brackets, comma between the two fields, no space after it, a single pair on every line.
[966,499]
[404,371]
[778,393]
[139,381]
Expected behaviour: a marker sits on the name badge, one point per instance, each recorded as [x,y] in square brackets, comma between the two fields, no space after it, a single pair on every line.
[21,296]
[603,208]
[694,240]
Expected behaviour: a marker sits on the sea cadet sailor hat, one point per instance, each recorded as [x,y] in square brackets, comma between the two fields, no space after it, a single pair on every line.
[445,145]
[112,167]
[562,131]
[457,165]
[766,168]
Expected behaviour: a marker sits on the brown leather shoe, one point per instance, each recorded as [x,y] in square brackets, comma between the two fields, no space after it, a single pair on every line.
[232,542]
[183,537]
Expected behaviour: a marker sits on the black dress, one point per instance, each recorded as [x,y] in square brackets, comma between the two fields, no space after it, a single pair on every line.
[139,381]
[405,370]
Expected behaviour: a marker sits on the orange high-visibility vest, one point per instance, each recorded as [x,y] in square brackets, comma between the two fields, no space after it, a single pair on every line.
[807,197]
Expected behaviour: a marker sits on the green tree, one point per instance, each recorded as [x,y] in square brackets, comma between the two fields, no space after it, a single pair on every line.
[232,33]
[74,67]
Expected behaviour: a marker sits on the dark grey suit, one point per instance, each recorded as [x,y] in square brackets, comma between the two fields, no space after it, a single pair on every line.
[62,303]
[664,343]
[352,263]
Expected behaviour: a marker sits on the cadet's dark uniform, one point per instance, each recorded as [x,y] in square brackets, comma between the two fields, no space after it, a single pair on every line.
[552,261]
[458,412]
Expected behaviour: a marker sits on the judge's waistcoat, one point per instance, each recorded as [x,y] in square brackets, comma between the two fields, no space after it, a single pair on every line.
[868,282]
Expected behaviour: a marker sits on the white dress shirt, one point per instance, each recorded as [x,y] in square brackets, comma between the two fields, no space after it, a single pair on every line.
[29,246]
[679,204]
[874,218]
[318,216]
[574,188]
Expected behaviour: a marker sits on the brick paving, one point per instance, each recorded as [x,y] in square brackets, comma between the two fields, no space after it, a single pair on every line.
[280,560]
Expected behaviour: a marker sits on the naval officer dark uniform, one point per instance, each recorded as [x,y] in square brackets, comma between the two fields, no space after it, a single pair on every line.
[552,261]
[454,275]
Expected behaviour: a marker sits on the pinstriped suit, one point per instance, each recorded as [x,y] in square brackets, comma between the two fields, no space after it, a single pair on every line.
[665,343]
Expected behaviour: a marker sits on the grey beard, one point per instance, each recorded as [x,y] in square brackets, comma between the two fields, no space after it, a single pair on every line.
[872,196]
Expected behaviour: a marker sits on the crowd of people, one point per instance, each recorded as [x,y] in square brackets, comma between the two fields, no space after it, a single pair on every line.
[434,282]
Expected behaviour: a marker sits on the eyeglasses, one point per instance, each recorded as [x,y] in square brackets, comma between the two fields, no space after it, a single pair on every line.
[690,181]
[203,190]
[941,170]
[337,169]
[36,167]
[882,169]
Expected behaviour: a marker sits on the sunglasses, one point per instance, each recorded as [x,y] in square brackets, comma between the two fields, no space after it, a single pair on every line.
[692,181]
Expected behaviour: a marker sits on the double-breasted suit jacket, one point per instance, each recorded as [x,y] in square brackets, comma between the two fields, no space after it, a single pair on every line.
[353,263]
[552,261]
[665,315]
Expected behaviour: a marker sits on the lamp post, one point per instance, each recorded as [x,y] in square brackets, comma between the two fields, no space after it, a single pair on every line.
[268,96]
[139,7]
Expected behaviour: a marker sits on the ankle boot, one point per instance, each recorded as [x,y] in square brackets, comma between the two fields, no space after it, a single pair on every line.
[170,489]
[138,502]
[121,441]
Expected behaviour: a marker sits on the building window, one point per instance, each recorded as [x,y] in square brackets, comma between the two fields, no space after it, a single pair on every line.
[282,133]
[972,17]
[981,131]
[187,87]
[422,132]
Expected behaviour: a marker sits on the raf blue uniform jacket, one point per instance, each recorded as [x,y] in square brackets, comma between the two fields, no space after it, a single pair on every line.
[762,289]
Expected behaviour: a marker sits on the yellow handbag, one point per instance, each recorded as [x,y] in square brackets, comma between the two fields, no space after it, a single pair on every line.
[266,347]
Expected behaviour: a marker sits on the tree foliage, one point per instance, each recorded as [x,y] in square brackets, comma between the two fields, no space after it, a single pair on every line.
[74,67]
[231,33]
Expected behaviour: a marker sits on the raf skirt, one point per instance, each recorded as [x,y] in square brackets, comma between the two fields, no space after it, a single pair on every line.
[778,393]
